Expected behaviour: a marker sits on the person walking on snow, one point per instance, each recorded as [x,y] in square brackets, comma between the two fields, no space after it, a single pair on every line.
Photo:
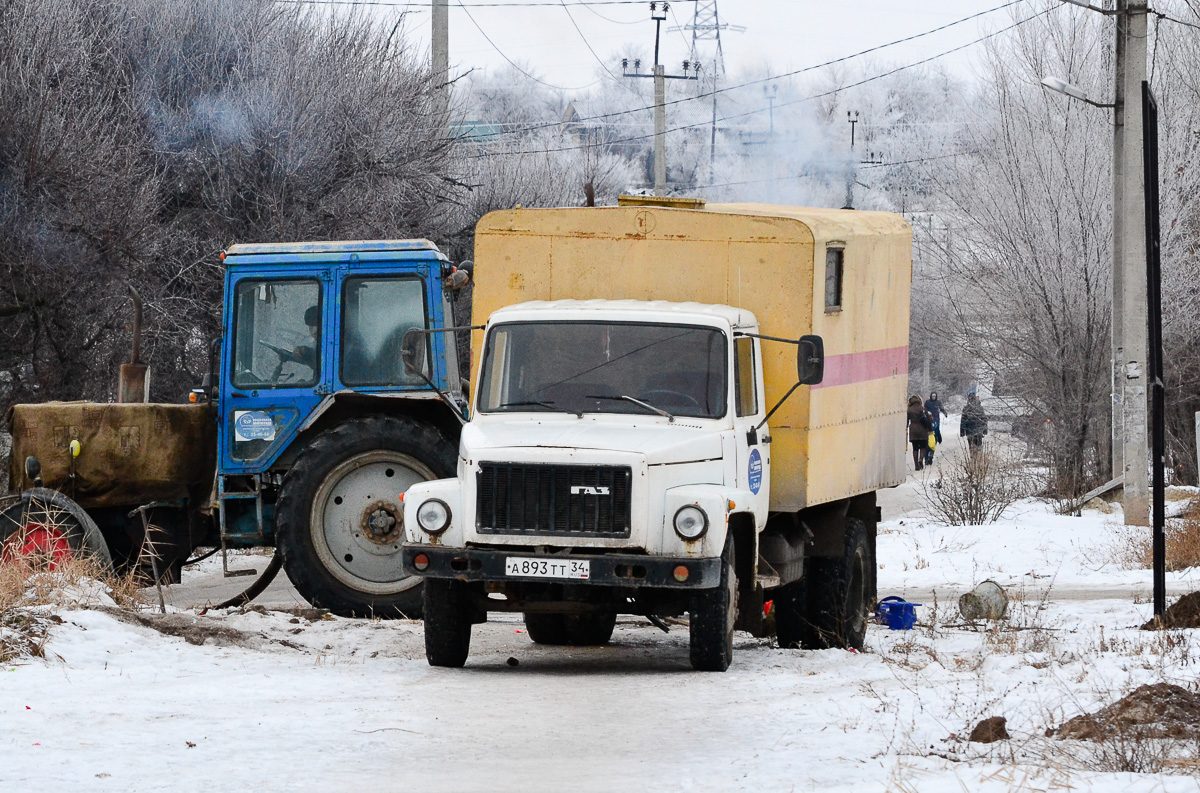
[919,427]
[974,424]
[933,406]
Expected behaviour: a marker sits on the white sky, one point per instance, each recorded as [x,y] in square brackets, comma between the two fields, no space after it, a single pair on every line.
[781,34]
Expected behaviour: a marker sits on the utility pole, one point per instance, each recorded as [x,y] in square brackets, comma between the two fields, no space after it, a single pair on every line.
[1117,408]
[770,92]
[1131,25]
[852,117]
[658,12]
[440,51]
[1130,448]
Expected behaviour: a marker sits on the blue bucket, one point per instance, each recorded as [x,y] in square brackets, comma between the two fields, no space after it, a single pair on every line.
[896,613]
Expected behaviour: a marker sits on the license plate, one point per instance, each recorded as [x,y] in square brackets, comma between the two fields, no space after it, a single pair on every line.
[525,567]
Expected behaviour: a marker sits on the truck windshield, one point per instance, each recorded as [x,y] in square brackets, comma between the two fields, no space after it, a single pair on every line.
[604,367]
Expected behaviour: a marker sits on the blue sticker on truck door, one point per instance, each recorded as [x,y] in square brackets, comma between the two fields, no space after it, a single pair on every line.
[755,471]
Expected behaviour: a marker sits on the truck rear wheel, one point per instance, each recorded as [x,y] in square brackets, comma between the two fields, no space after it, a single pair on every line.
[46,528]
[828,608]
[712,616]
[582,630]
[447,622]
[339,518]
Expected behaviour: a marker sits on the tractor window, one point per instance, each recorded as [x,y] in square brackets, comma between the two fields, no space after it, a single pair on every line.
[277,334]
[376,313]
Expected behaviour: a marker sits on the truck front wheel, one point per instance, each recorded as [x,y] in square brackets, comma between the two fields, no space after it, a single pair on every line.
[712,616]
[447,622]
[339,518]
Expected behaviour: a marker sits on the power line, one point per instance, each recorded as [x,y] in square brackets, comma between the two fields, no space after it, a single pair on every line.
[1178,21]
[782,104]
[586,43]
[513,63]
[707,94]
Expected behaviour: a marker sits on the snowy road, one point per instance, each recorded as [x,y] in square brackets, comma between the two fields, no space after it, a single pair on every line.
[271,701]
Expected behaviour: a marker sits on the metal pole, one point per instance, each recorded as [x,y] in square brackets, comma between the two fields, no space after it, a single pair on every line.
[660,129]
[1136,497]
[440,51]
[1154,363]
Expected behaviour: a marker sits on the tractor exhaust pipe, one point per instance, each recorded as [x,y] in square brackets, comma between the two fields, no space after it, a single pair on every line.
[134,382]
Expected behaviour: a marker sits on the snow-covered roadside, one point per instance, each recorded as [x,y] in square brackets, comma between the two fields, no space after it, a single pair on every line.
[277,701]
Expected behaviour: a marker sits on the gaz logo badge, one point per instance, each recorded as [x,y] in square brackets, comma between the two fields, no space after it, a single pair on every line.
[584,490]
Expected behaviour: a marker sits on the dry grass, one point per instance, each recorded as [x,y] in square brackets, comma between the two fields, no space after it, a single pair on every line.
[1133,546]
[33,585]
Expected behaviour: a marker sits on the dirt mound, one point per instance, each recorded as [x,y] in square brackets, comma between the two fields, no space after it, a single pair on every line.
[193,630]
[1155,711]
[1184,613]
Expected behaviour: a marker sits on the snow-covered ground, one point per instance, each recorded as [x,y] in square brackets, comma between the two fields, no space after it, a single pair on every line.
[238,701]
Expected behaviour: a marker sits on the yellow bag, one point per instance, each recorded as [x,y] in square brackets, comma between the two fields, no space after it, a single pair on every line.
[932,441]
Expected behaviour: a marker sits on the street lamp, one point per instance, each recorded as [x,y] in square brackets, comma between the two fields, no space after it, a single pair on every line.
[1063,87]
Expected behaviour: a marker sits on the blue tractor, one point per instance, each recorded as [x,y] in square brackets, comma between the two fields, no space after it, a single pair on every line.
[316,426]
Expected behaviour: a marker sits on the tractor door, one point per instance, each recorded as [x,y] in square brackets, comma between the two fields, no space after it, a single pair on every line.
[275,371]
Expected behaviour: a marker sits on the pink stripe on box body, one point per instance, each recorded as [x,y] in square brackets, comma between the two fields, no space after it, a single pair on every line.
[859,367]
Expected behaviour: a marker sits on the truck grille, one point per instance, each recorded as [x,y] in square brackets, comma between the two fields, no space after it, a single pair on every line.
[562,500]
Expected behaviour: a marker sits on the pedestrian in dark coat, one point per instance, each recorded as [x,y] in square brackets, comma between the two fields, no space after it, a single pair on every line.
[974,424]
[919,427]
[933,406]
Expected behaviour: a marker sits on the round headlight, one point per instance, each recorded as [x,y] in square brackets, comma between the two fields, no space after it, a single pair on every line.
[691,522]
[434,516]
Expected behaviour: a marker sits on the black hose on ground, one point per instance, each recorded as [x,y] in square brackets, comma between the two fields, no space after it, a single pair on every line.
[202,557]
[259,585]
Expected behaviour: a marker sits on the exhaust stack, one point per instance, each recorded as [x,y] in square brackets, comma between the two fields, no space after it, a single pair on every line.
[134,382]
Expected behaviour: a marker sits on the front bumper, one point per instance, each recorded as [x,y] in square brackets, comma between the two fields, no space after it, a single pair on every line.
[624,570]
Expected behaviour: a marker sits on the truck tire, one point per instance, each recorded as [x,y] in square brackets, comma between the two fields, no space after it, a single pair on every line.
[339,520]
[837,597]
[713,613]
[548,629]
[580,630]
[447,622]
[46,525]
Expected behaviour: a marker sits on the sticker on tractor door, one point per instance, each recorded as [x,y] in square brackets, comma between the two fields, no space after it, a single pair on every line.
[755,471]
[253,425]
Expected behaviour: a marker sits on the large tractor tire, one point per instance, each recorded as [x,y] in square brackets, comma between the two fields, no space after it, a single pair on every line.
[828,608]
[712,616]
[46,528]
[339,519]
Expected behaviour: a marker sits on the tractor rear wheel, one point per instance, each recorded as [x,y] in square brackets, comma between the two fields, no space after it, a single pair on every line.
[340,520]
[45,528]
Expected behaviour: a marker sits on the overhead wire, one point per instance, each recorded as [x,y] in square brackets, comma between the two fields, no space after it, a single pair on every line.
[513,63]
[810,98]
[1178,21]
[724,89]
[586,43]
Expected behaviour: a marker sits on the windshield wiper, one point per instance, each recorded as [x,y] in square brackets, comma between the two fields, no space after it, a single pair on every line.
[627,398]
[530,402]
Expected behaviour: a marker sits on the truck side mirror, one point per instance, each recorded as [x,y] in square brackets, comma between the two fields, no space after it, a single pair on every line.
[412,352]
[810,360]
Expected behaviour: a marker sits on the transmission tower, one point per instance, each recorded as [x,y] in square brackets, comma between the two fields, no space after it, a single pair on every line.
[706,25]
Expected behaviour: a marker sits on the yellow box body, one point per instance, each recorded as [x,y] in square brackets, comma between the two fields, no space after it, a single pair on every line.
[841,438]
